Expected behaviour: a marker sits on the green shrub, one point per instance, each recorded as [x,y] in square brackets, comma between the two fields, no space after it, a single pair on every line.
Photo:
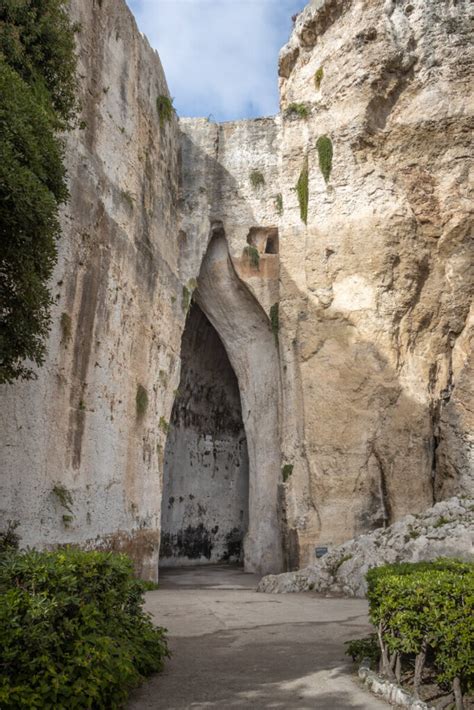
[286,471]
[426,609]
[165,109]
[38,99]
[325,153]
[318,77]
[337,563]
[73,633]
[128,199]
[253,256]
[300,110]
[256,179]
[368,647]
[141,401]
[302,190]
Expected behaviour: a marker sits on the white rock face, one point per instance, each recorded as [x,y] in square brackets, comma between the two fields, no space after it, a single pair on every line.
[445,530]
[363,413]
[117,284]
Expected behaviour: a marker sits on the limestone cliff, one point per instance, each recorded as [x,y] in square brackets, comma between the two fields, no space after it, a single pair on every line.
[76,429]
[376,290]
[358,385]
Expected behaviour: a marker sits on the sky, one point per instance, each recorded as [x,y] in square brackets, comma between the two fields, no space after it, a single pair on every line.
[220,56]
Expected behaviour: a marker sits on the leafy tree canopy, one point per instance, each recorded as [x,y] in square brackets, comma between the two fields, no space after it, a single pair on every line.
[38,99]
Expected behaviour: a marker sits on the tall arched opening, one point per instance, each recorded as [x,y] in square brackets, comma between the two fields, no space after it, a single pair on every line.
[206,483]
[224,313]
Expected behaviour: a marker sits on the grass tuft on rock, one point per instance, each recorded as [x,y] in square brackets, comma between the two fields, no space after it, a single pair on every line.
[165,109]
[256,179]
[279,204]
[325,154]
[302,191]
[63,495]
[318,77]
[141,401]
[297,110]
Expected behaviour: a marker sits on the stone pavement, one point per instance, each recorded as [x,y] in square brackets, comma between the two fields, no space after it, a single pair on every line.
[234,648]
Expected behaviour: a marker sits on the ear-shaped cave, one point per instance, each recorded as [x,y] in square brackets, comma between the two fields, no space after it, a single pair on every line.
[206,481]
[222,459]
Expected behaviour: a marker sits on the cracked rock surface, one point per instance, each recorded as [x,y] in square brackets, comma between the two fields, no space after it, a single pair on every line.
[445,530]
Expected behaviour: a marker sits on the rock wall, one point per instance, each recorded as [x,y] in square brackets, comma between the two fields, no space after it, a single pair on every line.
[376,288]
[362,412]
[77,431]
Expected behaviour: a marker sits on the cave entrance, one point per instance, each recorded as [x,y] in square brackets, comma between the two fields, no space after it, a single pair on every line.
[206,470]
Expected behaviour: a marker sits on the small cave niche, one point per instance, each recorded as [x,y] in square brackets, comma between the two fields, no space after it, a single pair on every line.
[264,239]
[204,514]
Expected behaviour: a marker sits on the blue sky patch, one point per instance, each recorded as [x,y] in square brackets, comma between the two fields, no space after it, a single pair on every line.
[220,56]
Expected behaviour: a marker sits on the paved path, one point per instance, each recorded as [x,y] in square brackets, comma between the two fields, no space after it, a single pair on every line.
[234,648]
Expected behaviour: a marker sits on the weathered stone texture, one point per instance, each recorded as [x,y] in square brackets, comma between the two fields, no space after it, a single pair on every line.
[445,530]
[367,401]
[114,322]
[375,291]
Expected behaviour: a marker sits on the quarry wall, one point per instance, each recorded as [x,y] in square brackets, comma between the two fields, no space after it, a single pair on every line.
[356,393]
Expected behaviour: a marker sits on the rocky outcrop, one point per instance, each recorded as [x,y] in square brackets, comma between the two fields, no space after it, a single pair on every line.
[375,334]
[445,530]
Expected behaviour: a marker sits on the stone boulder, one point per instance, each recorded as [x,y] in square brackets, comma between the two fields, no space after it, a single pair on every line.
[445,530]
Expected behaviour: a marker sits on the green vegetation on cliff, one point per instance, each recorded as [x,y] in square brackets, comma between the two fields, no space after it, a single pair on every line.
[325,153]
[302,190]
[38,99]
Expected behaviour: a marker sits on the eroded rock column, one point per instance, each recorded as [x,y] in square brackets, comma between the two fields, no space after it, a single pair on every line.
[245,331]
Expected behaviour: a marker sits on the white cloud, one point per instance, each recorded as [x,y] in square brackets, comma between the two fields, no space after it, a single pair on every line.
[219,56]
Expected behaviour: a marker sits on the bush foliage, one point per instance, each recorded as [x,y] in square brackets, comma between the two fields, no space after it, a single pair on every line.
[426,610]
[164,106]
[318,77]
[299,110]
[325,154]
[302,191]
[72,630]
[38,90]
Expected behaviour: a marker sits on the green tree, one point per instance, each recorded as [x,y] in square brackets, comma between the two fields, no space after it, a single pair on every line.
[38,99]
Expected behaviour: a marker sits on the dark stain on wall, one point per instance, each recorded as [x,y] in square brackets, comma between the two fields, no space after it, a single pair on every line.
[192,542]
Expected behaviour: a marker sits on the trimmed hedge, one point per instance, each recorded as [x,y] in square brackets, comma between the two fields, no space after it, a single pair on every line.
[73,633]
[426,610]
